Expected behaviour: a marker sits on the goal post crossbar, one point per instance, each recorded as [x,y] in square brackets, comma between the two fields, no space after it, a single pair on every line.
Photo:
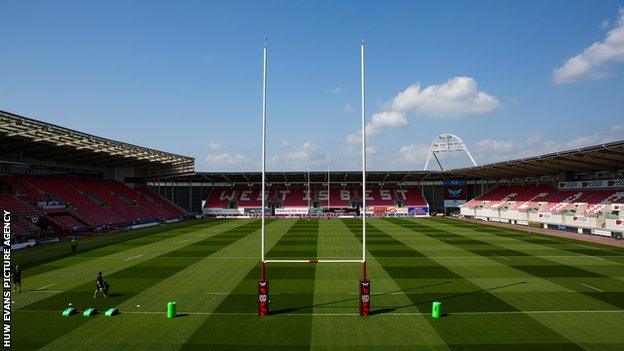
[312,261]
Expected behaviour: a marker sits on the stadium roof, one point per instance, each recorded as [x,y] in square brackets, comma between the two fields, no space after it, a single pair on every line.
[22,137]
[604,157]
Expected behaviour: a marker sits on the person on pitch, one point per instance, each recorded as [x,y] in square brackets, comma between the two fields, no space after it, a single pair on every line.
[74,244]
[17,278]
[101,286]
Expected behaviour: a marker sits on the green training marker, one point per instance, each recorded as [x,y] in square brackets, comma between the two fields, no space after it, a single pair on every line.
[436,310]
[171,309]
[89,312]
[69,311]
[111,312]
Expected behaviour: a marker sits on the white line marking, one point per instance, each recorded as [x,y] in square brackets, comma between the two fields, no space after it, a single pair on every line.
[357,314]
[383,293]
[43,287]
[591,287]
[46,291]
[133,257]
[487,257]
[235,293]
[384,314]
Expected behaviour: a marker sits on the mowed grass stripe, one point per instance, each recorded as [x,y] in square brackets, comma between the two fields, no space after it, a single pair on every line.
[565,244]
[336,321]
[568,276]
[71,274]
[408,275]
[44,259]
[538,294]
[125,284]
[293,288]
[464,296]
[191,288]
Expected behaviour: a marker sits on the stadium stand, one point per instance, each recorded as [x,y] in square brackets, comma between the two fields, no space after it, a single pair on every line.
[565,200]
[249,198]
[95,210]
[79,204]
[602,200]
[412,197]
[18,206]
[382,197]
[75,180]
[530,199]
[496,197]
[68,221]
[220,198]
[163,206]
[229,198]
[592,208]
[25,189]
[546,199]
[337,198]
[296,198]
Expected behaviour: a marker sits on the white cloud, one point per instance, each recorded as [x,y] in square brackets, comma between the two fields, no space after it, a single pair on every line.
[308,154]
[347,109]
[492,150]
[456,97]
[380,121]
[413,155]
[604,24]
[589,64]
[215,146]
[337,89]
[353,138]
[371,150]
[225,158]
[357,151]
[285,143]
[220,158]
[385,120]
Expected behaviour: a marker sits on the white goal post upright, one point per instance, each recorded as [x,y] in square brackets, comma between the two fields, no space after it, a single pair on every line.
[363,109]
[264,108]
[263,286]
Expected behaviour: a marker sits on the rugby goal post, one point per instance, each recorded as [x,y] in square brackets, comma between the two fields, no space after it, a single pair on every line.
[263,283]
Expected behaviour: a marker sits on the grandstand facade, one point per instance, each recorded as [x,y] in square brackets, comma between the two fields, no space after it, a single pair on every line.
[579,190]
[58,181]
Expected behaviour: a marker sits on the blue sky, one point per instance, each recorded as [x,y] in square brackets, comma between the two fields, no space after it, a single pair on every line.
[512,79]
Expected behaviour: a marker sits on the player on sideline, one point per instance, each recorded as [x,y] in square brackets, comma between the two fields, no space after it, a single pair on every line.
[74,244]
[102,286]
[17,278]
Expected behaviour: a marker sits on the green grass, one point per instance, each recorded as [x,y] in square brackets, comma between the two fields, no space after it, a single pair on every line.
[500,289]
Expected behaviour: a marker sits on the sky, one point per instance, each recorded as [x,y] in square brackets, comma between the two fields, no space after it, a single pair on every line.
[511,78]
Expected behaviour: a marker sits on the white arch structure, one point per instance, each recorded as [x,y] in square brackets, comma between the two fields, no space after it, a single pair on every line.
[447,143]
